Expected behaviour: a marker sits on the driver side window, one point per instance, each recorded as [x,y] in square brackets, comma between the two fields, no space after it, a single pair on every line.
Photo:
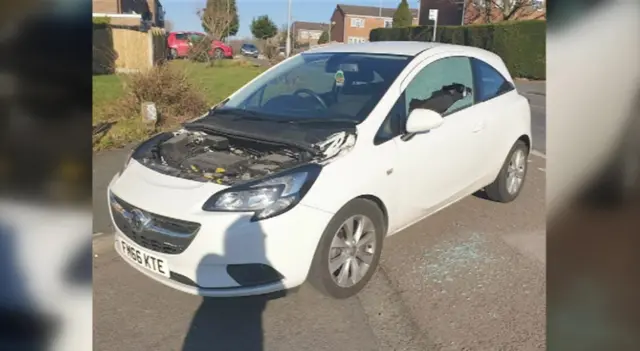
[428,85]
[426,90]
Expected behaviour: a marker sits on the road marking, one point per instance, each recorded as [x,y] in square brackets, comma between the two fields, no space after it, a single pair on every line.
[537,106]
[542,169]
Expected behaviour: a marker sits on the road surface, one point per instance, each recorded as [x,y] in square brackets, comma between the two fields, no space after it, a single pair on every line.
[472,277]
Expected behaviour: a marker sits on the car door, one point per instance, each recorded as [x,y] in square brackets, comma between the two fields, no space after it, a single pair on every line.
[497,101]
[437,166]
[182,44]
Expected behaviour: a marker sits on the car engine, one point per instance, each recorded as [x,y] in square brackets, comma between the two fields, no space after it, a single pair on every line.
[225,160]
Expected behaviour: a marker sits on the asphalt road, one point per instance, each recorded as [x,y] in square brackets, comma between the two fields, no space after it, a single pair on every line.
[471,277]
[536,92]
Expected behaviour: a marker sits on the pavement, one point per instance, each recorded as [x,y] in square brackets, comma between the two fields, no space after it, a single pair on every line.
[471,277]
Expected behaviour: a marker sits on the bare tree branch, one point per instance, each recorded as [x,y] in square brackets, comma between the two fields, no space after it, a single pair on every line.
[216,18]
[488,11]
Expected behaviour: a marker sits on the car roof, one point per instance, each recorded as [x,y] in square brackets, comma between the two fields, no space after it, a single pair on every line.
[415,48]
[406,48]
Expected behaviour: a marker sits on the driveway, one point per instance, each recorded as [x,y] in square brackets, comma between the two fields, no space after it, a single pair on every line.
[472,277]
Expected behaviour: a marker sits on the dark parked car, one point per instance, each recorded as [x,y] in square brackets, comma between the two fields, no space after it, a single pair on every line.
[249,50]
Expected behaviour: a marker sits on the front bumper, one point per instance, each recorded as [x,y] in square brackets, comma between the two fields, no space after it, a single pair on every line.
[227,254]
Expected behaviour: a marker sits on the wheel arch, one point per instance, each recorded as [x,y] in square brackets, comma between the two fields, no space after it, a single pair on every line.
[380,204]
[526,140]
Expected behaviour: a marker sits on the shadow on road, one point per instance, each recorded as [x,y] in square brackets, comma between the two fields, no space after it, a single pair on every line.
[230,323]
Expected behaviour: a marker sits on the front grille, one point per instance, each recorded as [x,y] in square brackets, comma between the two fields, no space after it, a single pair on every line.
[161,234]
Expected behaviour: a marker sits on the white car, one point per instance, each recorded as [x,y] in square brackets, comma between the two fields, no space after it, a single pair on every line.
[303,172]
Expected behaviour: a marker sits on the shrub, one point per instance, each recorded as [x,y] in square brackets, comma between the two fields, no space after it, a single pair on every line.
[101,21]
[521,44]
[199,49]
[176,98]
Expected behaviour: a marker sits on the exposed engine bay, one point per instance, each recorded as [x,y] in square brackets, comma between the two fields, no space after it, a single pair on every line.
[227,160]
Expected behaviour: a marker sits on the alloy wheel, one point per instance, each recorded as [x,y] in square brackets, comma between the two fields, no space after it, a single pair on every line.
[352,251]
[516,171]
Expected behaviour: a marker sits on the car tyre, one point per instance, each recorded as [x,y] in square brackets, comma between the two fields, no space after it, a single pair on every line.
[323,276]
[514,169]
[173,54]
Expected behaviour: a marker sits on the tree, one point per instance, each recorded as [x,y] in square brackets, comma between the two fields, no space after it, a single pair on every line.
[402,17]
[235,20]
[217,18]
[489,11]
[324,37]
[263,28]
[282,36]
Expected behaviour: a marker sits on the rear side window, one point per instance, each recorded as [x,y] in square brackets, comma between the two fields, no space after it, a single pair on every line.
[181,36]
[488,81]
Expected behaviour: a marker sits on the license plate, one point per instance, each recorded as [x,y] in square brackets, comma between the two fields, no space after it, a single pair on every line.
[144,259]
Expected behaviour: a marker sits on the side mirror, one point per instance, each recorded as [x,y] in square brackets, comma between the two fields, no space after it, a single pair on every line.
[421,120]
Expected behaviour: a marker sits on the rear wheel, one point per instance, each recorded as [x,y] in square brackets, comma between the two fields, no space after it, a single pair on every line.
[510,180]
[349,250]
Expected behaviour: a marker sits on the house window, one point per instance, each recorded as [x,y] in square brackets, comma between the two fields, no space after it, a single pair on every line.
[357,22]
[388,23]
[356,40]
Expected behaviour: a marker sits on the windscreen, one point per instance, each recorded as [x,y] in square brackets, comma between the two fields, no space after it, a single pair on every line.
[316,86]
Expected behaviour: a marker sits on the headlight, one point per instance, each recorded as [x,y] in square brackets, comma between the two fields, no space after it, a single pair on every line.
[266,198]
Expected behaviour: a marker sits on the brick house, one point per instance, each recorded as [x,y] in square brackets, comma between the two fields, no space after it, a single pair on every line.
[307,32]
[130,12]
[352,24]
[478,11]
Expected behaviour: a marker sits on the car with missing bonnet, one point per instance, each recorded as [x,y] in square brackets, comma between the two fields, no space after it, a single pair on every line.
[302,173]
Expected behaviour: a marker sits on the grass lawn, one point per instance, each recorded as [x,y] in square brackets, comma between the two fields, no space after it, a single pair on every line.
[216,83]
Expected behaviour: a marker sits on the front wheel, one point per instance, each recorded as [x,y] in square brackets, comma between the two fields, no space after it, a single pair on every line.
[349,250]
[510,180]
[217,54]
[173,54]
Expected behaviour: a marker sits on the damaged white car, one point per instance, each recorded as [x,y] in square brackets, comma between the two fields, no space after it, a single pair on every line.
[304,171]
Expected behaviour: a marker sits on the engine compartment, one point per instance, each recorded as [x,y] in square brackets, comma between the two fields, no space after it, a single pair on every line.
[225,160]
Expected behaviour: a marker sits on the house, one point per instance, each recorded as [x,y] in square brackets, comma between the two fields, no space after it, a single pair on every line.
[450,12]
[130,12]
[307,32]
[352,24]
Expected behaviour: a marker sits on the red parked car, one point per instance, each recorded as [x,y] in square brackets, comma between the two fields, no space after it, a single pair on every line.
[178,44]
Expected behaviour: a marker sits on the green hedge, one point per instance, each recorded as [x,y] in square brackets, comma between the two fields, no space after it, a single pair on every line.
[521,44]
